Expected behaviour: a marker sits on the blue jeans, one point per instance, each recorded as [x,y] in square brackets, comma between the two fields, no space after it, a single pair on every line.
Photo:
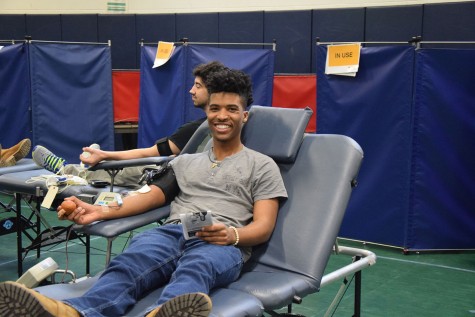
[155,258]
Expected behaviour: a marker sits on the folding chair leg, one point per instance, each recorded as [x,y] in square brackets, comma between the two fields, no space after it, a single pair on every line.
[21,228]
[9,206]
[39,219]
[112,173]
[337,298]
[19,235]
[357,307]
[109,250]
[88,254]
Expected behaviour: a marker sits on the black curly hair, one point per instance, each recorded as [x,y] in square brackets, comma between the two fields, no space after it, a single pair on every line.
[204,70]
[231,80]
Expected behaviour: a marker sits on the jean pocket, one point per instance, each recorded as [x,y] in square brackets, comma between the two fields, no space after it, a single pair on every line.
[229,268]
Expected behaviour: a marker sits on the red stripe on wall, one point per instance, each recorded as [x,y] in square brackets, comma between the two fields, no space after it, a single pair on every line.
[126,92]
[290,91]
[297,91]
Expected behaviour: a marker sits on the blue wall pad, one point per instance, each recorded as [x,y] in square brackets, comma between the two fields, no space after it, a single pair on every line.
[292,31]
[163,29]
[337,25]
[197,27]
[165,102]
[295,46]
[79,27]
[44,27]
[399,23]
[15,119]
[120,29]
[449,22]
[12,26]
[374,108]
[241,27]
[71,96]
[442,208]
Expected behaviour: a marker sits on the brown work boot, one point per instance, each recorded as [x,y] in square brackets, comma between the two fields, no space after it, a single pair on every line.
[16,300]
[186,305]
[11,156]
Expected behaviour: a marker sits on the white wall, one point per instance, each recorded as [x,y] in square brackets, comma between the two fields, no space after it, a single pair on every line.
[188,6]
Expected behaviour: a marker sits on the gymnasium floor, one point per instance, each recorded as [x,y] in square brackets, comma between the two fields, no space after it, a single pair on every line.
[425,284]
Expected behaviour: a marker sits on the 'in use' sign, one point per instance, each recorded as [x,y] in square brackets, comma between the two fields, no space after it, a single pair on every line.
[343,59]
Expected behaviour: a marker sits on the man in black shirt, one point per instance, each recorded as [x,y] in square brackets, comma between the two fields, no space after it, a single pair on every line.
[171,145]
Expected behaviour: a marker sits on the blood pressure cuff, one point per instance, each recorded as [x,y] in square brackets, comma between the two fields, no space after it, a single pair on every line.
[164,147]
[166,181]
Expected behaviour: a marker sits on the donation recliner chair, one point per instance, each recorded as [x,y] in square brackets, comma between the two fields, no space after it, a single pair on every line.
[319,172]
[29,188]
[25,164]
[25,182]
[292,129]
[10,220]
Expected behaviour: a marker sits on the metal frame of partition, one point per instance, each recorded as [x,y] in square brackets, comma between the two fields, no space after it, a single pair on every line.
[416,41]
[186,42]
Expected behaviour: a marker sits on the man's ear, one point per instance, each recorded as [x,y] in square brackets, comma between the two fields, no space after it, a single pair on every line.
[246,116]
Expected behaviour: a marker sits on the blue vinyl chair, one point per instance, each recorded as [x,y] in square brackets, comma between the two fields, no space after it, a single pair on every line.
[319,172]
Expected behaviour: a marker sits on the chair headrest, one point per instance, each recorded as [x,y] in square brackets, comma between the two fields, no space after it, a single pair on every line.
[276,132]
[194,143]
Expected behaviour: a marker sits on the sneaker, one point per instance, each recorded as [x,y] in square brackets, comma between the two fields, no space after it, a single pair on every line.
[186,305]
[46,159]
[16,300]
[10,156]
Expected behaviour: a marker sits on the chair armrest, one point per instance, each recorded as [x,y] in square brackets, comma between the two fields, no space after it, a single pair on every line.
[114,227]
[117,165]
[367,259]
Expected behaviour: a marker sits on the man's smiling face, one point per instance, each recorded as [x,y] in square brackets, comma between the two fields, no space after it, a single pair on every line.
[226,115]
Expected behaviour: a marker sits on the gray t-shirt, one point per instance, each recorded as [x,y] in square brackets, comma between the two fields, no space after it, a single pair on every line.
[228,189]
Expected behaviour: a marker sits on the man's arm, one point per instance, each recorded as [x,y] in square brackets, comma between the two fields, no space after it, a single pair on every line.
[175,143]
[100,155]
[132,205]
[257,232]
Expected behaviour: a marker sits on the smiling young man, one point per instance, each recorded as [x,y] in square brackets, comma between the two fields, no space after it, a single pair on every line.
[240,186]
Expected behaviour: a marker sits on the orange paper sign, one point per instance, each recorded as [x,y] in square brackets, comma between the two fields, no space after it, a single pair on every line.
[164,52]
[343,59]
[343,55]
